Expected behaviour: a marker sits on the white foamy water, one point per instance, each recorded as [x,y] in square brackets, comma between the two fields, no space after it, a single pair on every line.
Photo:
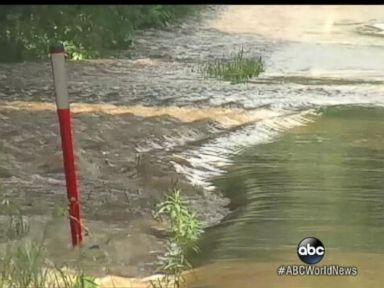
[316,42]
[380,26]
[210,160]
[289,108]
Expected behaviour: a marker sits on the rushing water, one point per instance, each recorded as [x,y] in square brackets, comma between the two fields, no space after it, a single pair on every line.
[322,56]
[323,178]
[303,169]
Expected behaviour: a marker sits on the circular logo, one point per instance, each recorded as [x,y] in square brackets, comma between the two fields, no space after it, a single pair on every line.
[310,250]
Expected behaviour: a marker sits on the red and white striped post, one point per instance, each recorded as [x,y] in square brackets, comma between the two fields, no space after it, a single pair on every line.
[57,54]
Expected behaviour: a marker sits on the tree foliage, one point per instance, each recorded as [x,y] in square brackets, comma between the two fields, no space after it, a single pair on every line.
[87,31]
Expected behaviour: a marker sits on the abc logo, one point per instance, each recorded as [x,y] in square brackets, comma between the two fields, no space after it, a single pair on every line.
[310,250]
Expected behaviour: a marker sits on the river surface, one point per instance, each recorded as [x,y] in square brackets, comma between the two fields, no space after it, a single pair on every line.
[318,174]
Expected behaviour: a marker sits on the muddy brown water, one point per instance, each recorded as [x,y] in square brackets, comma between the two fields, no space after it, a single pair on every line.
[315,57]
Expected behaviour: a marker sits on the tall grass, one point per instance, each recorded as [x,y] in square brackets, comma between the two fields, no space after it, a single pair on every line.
[23,262]
[22,266]
[237,68]
[186,230]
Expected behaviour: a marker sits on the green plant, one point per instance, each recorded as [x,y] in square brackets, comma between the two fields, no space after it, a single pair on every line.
[88,31]
[66,280]
[83,281]
[22,266]
[236,69]
[23,262]
[186,230]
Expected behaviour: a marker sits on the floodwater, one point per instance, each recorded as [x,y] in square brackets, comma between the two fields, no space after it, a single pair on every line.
[320,56]
[320,41]
[287,147]
[319,174]
[323,180]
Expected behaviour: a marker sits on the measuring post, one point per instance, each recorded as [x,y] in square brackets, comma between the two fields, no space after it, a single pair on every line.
[57,54]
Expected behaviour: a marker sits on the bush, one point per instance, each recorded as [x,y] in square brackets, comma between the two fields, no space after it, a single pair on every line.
[26,31]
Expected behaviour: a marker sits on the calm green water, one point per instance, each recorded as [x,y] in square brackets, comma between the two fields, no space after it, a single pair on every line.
[324,180]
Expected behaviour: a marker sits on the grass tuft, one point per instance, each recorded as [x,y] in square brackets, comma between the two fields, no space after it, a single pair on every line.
[23,262]
[237,68]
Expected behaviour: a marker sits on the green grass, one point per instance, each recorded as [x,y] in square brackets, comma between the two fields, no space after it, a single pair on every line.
[23,262]
[237,68]
[186,230]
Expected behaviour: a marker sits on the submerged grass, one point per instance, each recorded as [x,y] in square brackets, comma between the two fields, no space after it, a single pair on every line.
[237,68]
